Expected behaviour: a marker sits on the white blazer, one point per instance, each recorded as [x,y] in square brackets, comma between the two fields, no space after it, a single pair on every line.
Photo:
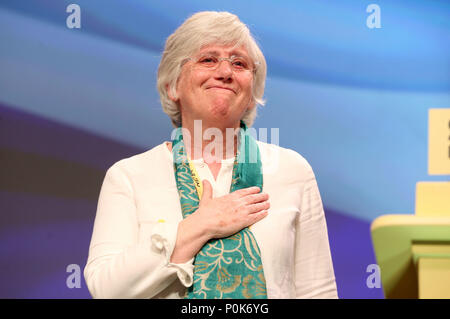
[139,210]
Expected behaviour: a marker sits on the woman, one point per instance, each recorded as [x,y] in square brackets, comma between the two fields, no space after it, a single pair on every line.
[212,197]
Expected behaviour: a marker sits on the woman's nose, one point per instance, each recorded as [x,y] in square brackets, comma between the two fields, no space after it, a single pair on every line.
[224,70]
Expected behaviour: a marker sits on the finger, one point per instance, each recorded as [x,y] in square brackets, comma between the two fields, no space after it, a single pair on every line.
[255,208]
[255,198]
[247,191]
[254,218]
[207,190]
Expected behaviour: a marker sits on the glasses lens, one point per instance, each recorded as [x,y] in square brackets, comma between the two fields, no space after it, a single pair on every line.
[238,63]
[208,61]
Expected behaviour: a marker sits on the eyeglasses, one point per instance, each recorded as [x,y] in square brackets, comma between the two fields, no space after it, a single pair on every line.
[212,62]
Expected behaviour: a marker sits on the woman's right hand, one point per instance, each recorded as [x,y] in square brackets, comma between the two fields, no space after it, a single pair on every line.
[226,215]
[218,218]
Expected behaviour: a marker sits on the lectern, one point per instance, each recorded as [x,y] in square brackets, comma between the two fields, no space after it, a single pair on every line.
[413,251]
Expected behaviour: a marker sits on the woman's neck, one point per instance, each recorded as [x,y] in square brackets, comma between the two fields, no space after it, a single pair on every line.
[210,143]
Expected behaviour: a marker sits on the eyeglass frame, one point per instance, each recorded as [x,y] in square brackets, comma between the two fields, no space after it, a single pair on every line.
[220,60]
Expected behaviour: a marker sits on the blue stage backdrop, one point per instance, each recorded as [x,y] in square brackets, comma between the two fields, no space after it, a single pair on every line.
[351,99]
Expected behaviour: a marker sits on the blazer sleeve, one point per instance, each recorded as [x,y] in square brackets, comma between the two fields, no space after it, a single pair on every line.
[314,274]
[123,263]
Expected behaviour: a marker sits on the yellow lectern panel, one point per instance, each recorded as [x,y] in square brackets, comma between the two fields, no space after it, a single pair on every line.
[439,141]
[433,199]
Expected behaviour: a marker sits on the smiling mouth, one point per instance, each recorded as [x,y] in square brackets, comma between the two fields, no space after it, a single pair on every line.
[221,88]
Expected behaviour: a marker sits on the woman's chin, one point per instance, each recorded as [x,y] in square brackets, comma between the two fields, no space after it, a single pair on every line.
[220,108]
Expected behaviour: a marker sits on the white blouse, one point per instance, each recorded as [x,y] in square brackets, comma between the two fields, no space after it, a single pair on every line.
[139,210]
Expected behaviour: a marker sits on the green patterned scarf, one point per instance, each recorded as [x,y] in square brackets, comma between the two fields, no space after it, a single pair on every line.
[226,267]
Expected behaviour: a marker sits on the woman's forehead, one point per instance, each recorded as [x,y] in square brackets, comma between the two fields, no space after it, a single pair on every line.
[230,49]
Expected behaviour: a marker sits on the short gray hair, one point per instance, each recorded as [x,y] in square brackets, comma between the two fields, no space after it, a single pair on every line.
[203,28]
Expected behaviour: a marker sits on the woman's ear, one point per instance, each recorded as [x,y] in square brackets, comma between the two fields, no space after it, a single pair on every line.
[171,96]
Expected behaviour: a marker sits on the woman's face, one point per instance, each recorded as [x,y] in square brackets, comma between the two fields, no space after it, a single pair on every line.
[217,96]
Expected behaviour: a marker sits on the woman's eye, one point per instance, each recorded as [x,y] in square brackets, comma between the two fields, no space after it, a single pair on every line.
[207,60]
[239,64]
